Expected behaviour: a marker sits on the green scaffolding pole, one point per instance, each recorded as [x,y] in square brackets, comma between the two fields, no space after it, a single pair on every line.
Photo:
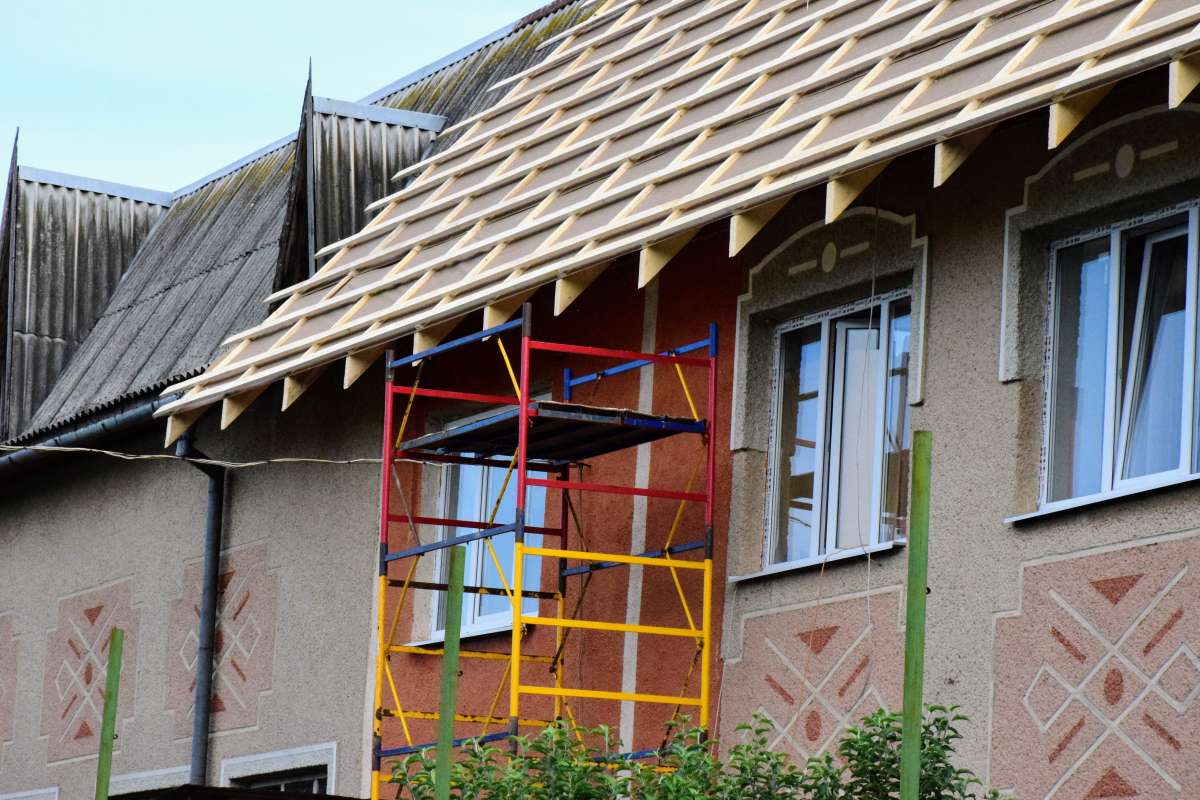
[914,619]
[108,726]
[453,628]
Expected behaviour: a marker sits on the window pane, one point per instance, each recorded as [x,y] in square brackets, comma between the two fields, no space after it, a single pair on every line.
[796,470]
[1078,369]
[897,433]
[857,402]
[534,515]
[1154,371]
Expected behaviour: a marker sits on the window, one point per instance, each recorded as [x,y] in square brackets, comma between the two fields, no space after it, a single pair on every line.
[1120,378]
[471,492]
[297,781]
[840,434]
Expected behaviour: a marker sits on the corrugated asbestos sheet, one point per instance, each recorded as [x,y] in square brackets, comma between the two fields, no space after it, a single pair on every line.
[67,248]
[202,273]
[353,161]
[654,119]
[459,88]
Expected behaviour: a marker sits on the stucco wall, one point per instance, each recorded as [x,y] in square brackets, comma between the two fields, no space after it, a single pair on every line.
[1065,638]
[93,541]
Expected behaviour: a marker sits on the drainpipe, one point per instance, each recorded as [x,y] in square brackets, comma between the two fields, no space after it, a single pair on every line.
[208,609]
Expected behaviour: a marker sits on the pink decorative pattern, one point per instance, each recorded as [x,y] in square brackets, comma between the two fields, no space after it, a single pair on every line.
[77,668]
[1097,677]
[245,641]
[8,680]
[816,669]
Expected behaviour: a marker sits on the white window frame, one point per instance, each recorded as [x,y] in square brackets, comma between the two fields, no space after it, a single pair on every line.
[473,624]
[1115,445]
[825,482]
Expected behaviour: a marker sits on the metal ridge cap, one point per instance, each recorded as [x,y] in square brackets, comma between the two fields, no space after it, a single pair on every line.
[392,116]
[84,183]
[234,166]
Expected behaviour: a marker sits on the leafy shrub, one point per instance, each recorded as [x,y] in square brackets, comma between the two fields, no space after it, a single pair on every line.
[563,762]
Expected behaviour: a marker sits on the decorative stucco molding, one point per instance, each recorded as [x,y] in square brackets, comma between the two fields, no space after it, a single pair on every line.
[244,659]
[77,667]
[8,683]
[815,668]
[864,245]
[1096,687]
[1122,168]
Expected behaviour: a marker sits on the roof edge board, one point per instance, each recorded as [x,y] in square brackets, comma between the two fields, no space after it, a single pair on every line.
[391,116]
[84,183]
[234,166]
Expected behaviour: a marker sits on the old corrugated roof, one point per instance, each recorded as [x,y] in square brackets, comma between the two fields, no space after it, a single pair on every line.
[66,242]
[227,242]
[656,118]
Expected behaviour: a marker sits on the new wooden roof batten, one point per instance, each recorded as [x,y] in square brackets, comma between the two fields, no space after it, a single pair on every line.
[652,119]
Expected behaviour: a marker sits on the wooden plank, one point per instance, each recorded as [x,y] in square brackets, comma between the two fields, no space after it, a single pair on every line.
[179,423]
[797,124]
[1184,77]
[296,385]
[568,288]
[745,225]
[396,322]
[841,192]
[1066,114]
[656,256]
[235,405]
[359,362]
[951,154]
[500,311]
[432,335]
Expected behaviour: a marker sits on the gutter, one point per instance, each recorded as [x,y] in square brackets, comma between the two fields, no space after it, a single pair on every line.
[83,434]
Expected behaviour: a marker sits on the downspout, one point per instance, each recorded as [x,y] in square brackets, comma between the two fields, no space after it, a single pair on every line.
[205,652]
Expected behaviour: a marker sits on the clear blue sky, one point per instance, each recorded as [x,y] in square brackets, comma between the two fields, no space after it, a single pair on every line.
[158,94]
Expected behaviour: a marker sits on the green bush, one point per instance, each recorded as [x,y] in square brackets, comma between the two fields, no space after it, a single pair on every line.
[566,763]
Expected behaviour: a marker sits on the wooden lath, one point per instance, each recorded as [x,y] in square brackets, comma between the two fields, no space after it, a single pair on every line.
[758,141]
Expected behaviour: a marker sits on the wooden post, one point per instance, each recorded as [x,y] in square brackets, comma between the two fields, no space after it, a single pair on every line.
[453,628]
[914,619]
[108,726]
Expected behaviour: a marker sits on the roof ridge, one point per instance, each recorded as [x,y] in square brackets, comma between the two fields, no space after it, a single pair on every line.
[466,51]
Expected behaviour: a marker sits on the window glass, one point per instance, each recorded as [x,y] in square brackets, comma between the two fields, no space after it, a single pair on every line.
[799,416]
[897,434]
[471,494]
[1120,381]
[301,781]
[856,401]
[841,433]
[1079,366]
[1153,396]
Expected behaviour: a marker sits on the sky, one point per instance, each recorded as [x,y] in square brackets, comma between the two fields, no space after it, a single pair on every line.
[159,94]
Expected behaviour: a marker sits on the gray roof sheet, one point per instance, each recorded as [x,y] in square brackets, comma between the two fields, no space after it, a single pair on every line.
[218,251]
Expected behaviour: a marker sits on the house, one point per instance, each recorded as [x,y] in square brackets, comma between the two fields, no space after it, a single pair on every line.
[693,278]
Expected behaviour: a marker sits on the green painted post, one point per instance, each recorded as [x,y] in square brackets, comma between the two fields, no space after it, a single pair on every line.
[914,618]
[108,726]
[454,604]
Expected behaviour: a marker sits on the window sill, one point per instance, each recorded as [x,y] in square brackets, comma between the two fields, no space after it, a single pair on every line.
[1064,506]
[813,563]
[468,633]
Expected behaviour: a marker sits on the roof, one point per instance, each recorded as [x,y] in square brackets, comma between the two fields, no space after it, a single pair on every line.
[240,233]
[654,119]
[67,240]
[199,275]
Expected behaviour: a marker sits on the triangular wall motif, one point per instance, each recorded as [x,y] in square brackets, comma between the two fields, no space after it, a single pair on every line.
[1115,589]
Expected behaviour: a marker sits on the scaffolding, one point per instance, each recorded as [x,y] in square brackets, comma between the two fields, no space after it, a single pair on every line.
[539,441]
